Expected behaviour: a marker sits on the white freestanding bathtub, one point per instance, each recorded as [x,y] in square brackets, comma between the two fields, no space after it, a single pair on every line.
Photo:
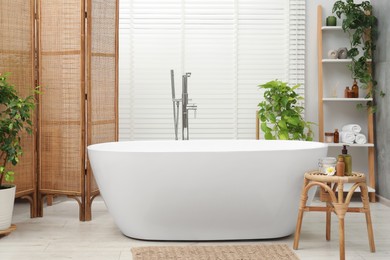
[204,190]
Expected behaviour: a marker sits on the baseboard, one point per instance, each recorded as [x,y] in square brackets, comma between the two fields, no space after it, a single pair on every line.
[383,200]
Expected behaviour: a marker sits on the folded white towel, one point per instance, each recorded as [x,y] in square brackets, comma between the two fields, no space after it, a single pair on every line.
[352,128]
[360,139]
[347,137]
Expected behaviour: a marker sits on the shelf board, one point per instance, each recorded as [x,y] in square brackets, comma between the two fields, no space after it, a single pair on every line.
[351,145]
[348,99]
[331,28]
[339,60]
[336,60]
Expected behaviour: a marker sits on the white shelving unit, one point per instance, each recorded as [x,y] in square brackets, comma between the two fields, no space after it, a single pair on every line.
[336,60]
[333,109]
[351,145]
[339,60]
[331,28]
[348,99]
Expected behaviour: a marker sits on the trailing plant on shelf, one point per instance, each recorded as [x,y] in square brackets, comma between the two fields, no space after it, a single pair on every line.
[15,117]
[361,26]
[281,113]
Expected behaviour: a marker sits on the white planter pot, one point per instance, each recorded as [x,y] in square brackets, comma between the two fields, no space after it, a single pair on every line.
[7,198]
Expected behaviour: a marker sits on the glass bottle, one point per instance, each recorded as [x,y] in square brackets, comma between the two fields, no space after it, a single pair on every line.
[350,94]
[346,91]
[329,137]
[340,166]
[355,89]
[336,136]
[327,165]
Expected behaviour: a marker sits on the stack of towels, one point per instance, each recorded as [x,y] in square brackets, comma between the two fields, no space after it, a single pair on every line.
[351,134]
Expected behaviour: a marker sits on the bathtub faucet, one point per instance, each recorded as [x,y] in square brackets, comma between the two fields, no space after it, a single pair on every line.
[185,107]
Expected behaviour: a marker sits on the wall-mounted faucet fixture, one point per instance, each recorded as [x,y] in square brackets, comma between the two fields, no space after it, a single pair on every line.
[185,107]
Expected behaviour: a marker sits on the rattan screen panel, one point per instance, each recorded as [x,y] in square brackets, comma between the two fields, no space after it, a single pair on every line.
[61,72]
[102,86]
[16,57]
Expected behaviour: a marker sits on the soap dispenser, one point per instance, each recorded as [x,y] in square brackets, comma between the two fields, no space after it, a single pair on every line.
[347,161]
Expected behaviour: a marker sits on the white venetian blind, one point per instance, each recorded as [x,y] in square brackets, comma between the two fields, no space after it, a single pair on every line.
[229,46]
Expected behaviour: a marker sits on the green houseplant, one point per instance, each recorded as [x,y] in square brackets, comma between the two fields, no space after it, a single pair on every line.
[281,113]
[361,26]
[15,117]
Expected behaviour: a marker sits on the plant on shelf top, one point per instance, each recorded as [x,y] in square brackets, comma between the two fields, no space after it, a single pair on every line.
[15,117]
[281,113]
[361,26]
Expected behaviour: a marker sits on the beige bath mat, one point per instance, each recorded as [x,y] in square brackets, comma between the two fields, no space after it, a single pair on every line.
[229,252]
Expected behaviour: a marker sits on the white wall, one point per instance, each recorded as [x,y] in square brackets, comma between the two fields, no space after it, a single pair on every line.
[311,91]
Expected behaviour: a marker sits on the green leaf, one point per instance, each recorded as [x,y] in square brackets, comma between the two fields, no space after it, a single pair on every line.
[264,127]
[9,176]
[282,124]
[272,118]
[269,136]
[283,136]
[293,120]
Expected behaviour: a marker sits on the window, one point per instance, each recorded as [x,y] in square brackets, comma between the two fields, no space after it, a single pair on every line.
[229,46]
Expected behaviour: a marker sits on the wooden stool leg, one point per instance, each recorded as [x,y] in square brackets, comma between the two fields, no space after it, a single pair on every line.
[298,229]
[341,238]
[300,214]
[340,209]
[328,220]
[366,206]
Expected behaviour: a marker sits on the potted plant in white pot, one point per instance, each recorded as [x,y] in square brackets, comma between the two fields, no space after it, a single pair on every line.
[15,117]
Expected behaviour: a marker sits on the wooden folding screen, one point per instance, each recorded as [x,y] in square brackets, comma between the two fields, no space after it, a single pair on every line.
[102,53]
[79,103]
[62,75]
[17,57]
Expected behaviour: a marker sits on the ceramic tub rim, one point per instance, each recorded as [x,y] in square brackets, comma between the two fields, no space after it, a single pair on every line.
[123,147]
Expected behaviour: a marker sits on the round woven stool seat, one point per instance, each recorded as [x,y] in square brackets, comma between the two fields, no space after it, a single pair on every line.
[317,176]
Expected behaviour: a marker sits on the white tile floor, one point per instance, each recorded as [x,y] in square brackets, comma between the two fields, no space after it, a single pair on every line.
[60,235]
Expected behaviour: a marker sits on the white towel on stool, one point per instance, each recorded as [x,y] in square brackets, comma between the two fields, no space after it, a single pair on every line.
[352,128]
[360,139]
[347,137]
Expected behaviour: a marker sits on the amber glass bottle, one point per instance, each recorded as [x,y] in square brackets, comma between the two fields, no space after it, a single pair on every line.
[346,91]
[336,136]
[355,89]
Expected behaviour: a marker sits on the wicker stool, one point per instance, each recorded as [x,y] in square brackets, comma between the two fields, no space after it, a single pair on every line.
[330,185]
